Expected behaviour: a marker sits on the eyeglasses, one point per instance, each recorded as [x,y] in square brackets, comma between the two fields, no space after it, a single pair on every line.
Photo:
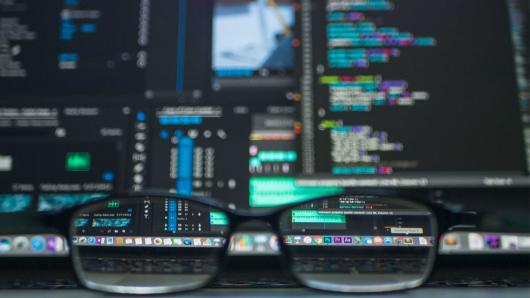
[154,244]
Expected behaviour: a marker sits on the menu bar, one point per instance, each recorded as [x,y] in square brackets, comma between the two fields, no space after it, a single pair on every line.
[347,240]
[140,241]
[480,243]
[32,245]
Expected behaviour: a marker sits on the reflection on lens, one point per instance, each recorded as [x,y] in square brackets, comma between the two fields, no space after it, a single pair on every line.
[360,244]
[147,245]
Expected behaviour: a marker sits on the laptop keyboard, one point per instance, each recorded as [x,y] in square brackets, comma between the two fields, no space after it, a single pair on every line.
[166,266]
[479,283]
[272,283]
[26,284]
[347,265]
[302,265]
[238,280]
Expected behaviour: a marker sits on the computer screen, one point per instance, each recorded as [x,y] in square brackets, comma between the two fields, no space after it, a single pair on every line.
[135,106]
[262,48]
[258,103]
[395,94]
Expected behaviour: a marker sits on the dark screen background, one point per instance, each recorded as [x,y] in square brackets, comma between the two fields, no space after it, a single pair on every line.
[471,123]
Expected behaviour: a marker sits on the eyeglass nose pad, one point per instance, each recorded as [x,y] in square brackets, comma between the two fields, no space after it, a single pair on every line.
[255,237]
[259,237]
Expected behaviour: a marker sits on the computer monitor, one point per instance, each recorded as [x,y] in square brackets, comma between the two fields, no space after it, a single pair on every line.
[410,94]
[109,94]
[99,97]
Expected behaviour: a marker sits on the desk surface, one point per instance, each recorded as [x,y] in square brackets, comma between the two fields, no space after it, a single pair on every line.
[426,292]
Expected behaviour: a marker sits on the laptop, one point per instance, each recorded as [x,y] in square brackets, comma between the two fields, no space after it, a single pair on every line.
[259,104]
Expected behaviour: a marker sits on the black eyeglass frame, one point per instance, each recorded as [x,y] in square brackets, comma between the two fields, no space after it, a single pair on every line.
[444,220]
